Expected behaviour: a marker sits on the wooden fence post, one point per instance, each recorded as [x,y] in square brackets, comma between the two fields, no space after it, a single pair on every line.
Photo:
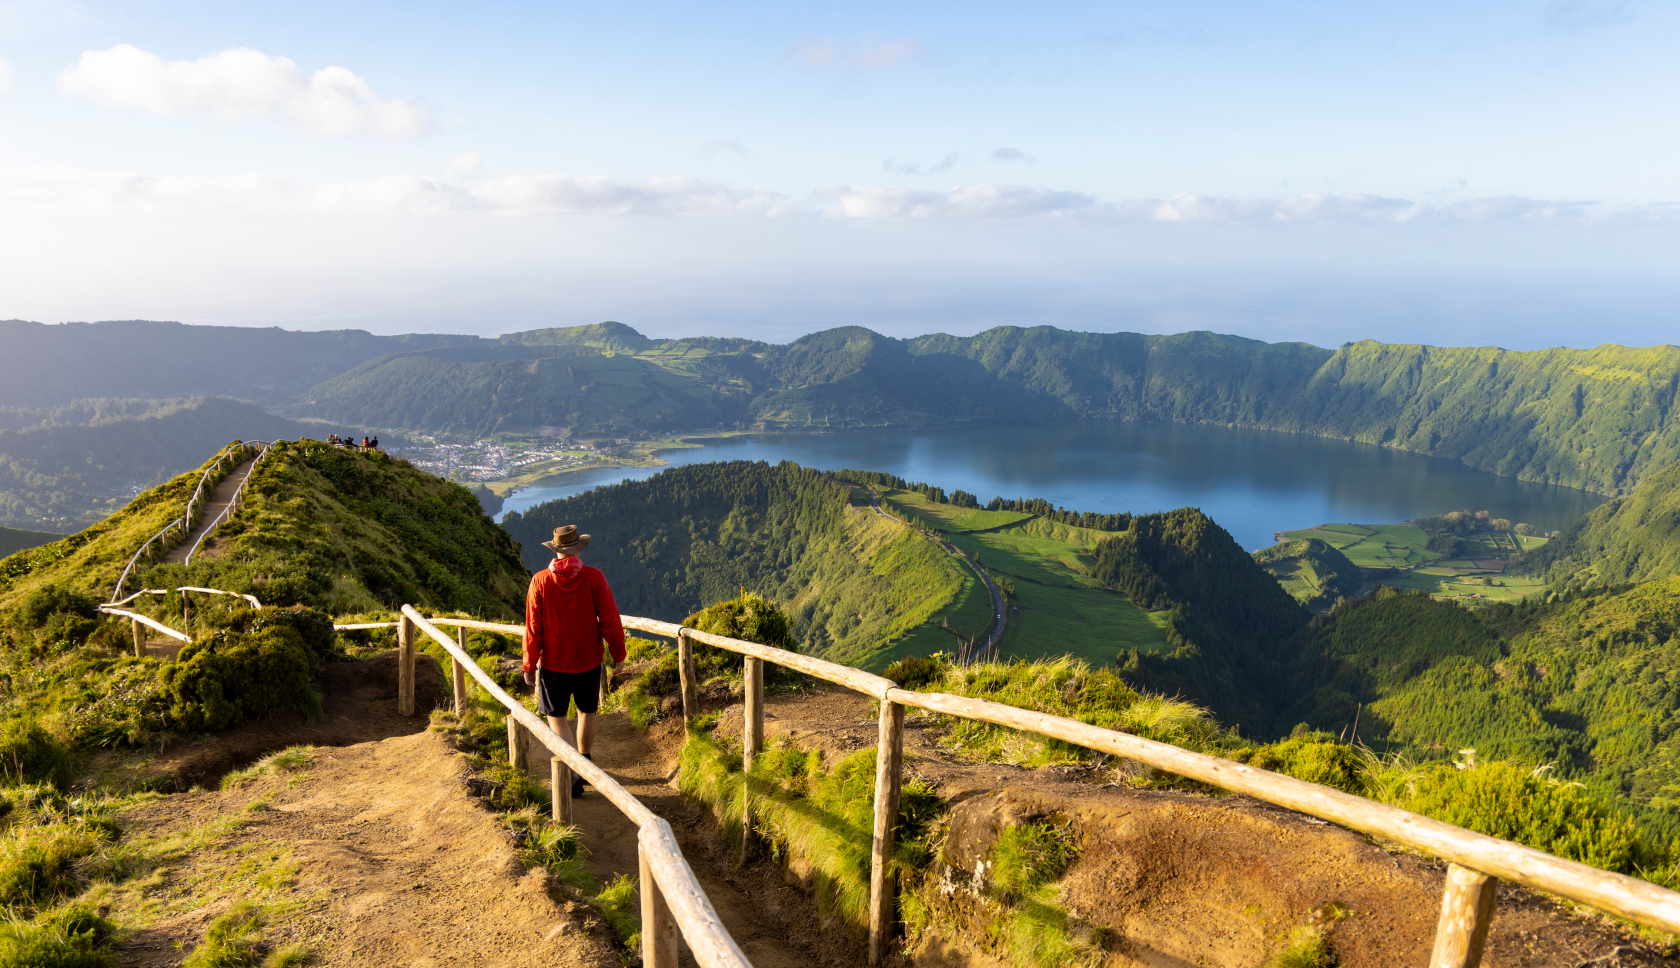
[516,743]
[405,666]
[659,929]
[186,614]
[1466,912]
[458,675]
[560,780]
[752,729]
[685,671]
[889,758]
[139,633]
[752,742]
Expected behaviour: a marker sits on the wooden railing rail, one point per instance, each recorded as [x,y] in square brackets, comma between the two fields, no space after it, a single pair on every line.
[234,501]
[1475,860]
[185,521]
[672,899]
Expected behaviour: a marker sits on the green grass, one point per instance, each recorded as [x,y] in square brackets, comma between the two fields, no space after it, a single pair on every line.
[1468,587]
[948,517]
[1385,546]
[1092,624]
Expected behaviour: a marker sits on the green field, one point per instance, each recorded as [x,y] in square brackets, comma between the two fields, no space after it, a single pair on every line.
[1391,546]
[1056,609]
[1467,586]
[1397,555]
[949,518]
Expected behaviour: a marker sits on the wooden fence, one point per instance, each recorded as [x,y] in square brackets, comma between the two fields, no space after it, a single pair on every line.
[184,523]
[1476,861]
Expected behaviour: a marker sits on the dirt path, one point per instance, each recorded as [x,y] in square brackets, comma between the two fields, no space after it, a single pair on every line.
[210,517]
[383,858]
[757,914]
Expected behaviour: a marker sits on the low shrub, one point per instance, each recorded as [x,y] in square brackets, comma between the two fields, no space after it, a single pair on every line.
[233,675]
[751,617]
[28,753]
[234,940]
[37,864]
[1313,757]
[1070,688]
[74,936]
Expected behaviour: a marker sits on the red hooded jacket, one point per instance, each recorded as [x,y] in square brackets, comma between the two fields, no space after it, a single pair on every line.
[569,610]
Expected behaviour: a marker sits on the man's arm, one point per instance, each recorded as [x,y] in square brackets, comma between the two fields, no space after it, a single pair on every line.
[612,627]
[533,630]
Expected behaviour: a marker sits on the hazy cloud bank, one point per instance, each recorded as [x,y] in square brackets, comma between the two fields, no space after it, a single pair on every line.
[687,196]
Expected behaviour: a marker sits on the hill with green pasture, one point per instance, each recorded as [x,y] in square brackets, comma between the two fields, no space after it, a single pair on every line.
[1313,571]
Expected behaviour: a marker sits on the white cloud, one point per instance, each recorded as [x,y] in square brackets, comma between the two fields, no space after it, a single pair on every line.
[463,167]
[974,201]
[915,167]
[682,196]
[1010,154]
[721,146]
[824,52]
[243,83]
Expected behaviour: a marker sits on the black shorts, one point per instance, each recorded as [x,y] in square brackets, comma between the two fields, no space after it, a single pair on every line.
[556,691]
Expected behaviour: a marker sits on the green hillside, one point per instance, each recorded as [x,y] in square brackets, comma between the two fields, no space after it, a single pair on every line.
[1630,539]
[1312,571]
[1596,418]
[63,476]
[1171,596]
[850,579]
[322,527]
[46,365]
[592,394]
[13,540]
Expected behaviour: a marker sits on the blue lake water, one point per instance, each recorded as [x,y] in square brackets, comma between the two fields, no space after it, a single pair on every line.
[1252,482]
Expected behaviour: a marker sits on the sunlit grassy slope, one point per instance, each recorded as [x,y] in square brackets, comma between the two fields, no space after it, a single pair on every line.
[1055,607]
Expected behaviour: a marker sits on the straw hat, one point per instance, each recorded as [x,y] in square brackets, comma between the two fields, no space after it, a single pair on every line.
[567,541]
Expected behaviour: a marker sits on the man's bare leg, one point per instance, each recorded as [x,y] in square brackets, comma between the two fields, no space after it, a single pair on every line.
[586,731]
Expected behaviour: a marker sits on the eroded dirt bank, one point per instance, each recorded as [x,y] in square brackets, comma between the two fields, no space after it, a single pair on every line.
[1178,879]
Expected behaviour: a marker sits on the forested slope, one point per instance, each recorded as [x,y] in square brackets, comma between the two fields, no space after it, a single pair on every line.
[61,477]
[698,534]
[1630,539]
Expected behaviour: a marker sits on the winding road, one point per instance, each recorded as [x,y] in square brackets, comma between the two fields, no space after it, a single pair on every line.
[996,632]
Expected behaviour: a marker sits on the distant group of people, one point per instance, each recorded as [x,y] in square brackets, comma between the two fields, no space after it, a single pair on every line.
[368,443]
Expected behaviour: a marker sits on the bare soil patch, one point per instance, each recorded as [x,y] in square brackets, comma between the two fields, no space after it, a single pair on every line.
[393,863]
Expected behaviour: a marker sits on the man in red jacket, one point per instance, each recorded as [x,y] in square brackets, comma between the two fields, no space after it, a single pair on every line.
[569,611]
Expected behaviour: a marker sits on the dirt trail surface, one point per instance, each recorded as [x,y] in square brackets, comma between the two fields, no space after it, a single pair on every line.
[769,919]
[213,508]
[389,861]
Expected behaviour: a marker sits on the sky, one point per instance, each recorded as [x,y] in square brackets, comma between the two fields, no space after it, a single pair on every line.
[1494,174]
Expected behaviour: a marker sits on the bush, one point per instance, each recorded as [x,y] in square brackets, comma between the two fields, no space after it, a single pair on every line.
[751,617]
[233,675]
[49,600]
[36,863]
[916,672]
[73,937]
[1311,757]
[1513,802]
[29,753]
